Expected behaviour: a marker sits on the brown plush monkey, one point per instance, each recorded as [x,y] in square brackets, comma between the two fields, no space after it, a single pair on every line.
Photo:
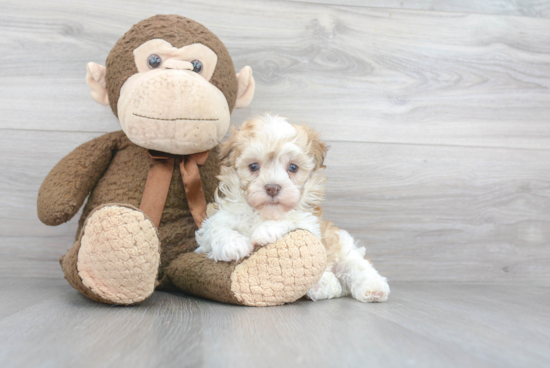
[172,84]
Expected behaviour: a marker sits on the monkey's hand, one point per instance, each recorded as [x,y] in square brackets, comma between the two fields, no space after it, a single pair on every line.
[71,180]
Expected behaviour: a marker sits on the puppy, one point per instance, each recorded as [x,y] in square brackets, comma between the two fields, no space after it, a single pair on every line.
[272,182]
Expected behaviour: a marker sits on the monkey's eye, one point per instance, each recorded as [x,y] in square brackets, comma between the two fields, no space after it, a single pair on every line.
[197,66]
[154,61]
[254,167]
[292,168]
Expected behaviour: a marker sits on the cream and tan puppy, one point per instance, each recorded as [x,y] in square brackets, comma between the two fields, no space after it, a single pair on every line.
[272,182]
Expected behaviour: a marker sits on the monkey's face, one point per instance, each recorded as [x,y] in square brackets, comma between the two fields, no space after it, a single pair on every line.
[170,105]
[172,84]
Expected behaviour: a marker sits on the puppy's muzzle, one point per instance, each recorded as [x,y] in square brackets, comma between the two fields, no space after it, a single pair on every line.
[272,189]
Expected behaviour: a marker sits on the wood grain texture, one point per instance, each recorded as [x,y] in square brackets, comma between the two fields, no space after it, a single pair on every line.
[455,213]
[439,122]
[425,325]
[17,294]
[358,74]
[424,212]
[526,8]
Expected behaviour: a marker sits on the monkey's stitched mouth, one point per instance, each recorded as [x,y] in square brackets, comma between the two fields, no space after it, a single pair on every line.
[175,119]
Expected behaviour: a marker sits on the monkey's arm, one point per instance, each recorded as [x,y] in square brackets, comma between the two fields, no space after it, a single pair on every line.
[71,180]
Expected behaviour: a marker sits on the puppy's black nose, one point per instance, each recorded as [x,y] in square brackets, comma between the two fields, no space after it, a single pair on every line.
[272,189]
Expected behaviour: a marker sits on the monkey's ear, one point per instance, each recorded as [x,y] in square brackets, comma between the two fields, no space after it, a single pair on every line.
[95,79]
[246,87]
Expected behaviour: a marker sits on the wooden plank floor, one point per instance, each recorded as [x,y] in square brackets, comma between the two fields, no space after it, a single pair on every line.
[45,323]
[438,117]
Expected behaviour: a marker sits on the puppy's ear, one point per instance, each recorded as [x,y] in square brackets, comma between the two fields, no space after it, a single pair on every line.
[317,148]
[249,128]
[227,147]
[230,149]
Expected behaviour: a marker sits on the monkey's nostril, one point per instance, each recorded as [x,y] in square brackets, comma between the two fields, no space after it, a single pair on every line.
[272,189]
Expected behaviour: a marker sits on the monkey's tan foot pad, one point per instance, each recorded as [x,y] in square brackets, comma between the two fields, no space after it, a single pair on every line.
[281,272]
[119,255]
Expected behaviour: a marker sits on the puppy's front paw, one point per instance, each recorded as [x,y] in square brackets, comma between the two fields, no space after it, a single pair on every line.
[233,248]
[269,232]
[371,290]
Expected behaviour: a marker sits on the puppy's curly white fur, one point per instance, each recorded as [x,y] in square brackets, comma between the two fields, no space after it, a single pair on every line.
[272,182]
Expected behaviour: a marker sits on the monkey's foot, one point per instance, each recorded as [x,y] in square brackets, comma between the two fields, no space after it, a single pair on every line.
[119,255]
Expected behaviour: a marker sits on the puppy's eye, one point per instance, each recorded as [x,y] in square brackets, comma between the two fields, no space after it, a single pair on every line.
[197,66]
[154,61]
[254,167]
[292,168]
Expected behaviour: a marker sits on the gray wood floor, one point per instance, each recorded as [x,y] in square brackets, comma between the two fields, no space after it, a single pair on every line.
[438,117]
[423,325]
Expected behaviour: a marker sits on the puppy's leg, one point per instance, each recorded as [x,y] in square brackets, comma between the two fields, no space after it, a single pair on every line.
[327,288]
[357,275]
[220,242]
[270,231]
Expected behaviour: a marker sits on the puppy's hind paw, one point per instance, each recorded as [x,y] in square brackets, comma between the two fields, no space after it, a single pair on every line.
[327,288]
[373,290]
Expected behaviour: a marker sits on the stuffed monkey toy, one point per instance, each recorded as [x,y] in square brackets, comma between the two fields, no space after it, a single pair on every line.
[172,85]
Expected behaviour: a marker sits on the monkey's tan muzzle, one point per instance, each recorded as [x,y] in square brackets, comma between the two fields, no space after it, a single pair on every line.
[172,110]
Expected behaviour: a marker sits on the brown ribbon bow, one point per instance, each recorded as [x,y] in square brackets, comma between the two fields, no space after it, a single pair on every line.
[158,183]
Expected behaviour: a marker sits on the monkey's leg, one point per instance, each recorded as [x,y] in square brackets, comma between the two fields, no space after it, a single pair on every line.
[116,257]
[278,273]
